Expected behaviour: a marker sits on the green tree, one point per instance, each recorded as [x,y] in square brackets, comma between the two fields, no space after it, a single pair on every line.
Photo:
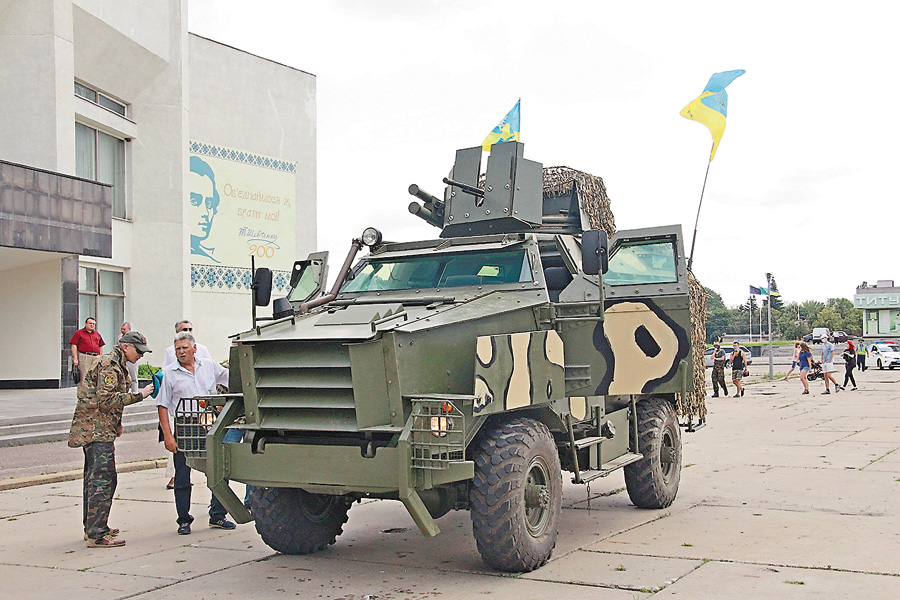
[809,311]
[851,318]
[829,317]
[717,315]
[788,327]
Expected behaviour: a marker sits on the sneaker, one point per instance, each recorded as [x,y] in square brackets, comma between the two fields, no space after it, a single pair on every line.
[114,531]
[826,392]
[804,392]
[107,541]
[715,395]
[221,524]
[837,389]
[853,389]
[742,392]
[184,529]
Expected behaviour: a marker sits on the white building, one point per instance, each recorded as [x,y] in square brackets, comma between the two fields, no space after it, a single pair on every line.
[210,153]
[880,304]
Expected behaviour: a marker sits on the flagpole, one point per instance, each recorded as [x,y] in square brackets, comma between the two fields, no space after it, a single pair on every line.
[697,220]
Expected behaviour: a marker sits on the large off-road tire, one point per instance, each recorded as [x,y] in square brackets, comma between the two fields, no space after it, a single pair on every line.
[652,482]
[516,495]
[293,521]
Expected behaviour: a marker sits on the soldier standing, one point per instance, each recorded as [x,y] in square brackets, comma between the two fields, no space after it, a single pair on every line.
[96,425]
[718,372]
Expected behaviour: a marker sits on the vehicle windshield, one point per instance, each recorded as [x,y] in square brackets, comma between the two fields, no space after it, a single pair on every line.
[888,348]
[442,270]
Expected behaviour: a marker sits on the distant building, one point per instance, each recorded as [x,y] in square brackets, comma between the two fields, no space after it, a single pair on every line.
[880,304]
[140,166]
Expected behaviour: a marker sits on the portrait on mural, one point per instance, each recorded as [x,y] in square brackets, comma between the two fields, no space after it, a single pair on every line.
[240,205]
[204,205]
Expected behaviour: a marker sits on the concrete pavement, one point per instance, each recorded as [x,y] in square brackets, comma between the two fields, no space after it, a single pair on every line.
[782,496]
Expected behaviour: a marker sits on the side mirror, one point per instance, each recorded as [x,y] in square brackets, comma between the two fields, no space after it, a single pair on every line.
[594,251]
[262,286]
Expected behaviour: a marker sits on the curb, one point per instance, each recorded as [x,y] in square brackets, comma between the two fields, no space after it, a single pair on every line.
[22,482]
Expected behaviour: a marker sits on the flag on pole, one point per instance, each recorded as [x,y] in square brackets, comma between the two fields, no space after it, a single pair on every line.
[768,292]
[711,107]
[505,131]
[755,291]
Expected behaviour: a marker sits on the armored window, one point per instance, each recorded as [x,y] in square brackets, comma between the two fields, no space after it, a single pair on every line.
[642,261]
[441,270]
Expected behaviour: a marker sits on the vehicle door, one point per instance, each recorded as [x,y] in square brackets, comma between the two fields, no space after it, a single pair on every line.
[645,335]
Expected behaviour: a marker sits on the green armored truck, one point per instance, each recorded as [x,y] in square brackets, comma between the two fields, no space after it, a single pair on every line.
[462,372]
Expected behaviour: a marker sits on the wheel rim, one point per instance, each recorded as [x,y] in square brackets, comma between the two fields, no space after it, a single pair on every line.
[667,454]
[318,507]
[537,497]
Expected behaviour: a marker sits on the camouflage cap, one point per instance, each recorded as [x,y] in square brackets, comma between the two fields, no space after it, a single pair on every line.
[137,340]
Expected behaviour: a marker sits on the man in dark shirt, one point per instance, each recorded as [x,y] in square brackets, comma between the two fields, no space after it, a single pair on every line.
[86,347]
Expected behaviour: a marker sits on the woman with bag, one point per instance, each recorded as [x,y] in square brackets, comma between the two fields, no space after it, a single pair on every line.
[738,368]
[849,357]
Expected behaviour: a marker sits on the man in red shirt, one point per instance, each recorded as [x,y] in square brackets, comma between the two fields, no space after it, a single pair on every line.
[86,347]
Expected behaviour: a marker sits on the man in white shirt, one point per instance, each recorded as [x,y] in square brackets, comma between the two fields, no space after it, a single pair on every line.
[184,325]
[188,377]
[168,359]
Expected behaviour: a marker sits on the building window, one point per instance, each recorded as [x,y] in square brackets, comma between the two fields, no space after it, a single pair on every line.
[99,98]
[101,157]
[101,294]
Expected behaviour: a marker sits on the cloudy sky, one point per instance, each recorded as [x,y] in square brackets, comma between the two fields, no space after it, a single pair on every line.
[803,183]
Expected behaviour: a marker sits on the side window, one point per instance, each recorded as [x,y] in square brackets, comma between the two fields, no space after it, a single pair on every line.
[650,261]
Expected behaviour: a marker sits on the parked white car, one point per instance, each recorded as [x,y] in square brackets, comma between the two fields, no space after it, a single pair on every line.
[883,355]
[708,358]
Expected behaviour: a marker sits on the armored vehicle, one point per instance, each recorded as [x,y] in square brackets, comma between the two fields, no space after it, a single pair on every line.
[462,372]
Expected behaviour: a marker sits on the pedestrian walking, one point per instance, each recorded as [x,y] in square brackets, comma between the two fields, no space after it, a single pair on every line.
[96,425]
[738,368]
[849,356]
[795,361]
[718,371]
[804,359]
[828,365]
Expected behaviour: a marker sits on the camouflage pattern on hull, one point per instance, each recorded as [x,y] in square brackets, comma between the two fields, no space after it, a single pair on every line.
[518,370]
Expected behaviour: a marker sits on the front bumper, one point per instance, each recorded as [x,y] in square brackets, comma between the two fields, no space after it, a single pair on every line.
[326,469]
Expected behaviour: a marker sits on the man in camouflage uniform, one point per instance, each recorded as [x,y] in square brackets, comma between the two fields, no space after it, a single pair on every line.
[718,371]
[95,426]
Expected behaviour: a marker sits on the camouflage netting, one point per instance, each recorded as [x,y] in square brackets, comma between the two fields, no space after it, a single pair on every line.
[595,204]
[694,403]
[593,199]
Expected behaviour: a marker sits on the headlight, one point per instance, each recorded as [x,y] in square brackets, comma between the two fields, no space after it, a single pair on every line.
[440,426]
[371,237]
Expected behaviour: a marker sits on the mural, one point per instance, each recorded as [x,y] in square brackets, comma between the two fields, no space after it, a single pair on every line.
[240,205]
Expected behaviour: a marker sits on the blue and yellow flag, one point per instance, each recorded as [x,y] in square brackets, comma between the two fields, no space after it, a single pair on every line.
[505,131]
[711,107]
